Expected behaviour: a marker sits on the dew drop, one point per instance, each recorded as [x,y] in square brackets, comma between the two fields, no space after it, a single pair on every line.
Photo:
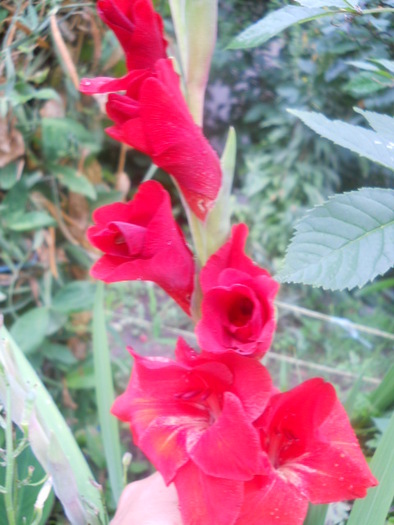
[377,142]
[341,478]
[87,83]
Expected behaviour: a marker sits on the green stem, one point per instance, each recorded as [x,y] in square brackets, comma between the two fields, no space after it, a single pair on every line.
[9,479]
[376,11]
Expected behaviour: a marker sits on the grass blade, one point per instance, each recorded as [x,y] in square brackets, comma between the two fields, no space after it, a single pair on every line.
[316,515]
[105,395]
[374,508]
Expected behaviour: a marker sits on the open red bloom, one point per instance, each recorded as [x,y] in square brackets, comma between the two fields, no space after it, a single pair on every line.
[193,418]
[138,28]
[237,305]
[141,241]
[313,455]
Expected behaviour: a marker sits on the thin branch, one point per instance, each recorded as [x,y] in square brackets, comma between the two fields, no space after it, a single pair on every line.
[339,321]
[143,323]
[64,52]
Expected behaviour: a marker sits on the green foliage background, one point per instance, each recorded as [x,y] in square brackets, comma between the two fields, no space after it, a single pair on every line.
[67,167]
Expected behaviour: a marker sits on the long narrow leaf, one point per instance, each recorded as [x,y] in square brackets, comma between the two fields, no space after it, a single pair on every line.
[316,515]
[374,508]
[49,435]
[383,397]
[105,395]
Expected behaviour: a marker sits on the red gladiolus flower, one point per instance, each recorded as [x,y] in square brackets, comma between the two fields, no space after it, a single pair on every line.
[153,118]
[237,305]
[138,28]
[313,455]
[193,418]
[141,241]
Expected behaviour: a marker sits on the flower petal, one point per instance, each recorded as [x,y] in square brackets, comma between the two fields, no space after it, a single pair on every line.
[205,499]
[271,501]
[229,448]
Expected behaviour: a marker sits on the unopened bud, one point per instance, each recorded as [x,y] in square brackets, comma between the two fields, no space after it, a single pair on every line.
[127,459]
[43,494]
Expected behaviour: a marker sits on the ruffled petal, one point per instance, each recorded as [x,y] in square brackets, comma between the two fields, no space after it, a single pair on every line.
[229,448]
[272,501]
[205,499]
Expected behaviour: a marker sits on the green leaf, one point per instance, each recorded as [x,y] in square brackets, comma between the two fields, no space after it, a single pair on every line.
[27,494]
[381,123]
[30,329]
[58,353]
[382,398]
[273,24]
[8,176]
[105,395]
[367,66]
[74,297]
[377,147]
[218,224]
[74,181]
[375,507]
[81,377]
[51,439]
[46,94]
[316,515]
[32,220]
[387,64]
[341,4]
[64,137]
[366,83]
[343,243]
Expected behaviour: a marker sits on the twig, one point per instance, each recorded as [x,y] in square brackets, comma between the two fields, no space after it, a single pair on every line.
[339,321]
[64,52]
[143,323]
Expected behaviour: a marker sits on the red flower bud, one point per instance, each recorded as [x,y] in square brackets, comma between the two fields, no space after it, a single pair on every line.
[138,28]
[141,241]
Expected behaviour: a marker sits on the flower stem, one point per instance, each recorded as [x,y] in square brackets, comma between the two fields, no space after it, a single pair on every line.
[9,479]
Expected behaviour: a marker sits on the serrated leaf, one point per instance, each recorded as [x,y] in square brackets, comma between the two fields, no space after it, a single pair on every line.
[74,181]
[273,24]
[343,243]
[374,508]
[377,147]
[381,123]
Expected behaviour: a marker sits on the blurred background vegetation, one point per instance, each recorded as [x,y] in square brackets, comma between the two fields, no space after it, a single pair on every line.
[57,165]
